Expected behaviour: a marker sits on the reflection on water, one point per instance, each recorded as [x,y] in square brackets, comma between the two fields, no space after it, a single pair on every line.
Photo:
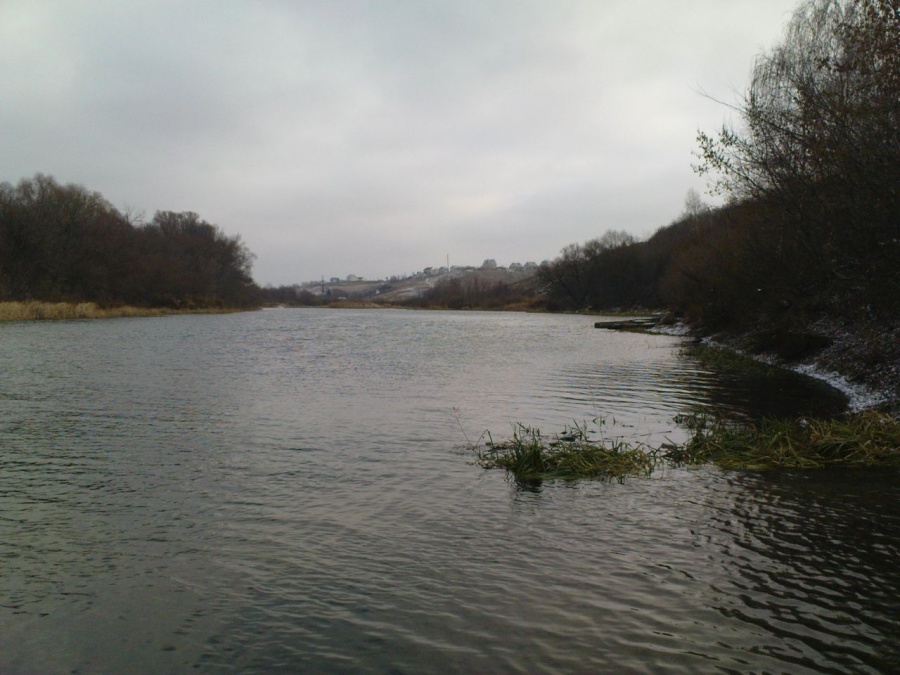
[658,385]
[805,556]
[287,491]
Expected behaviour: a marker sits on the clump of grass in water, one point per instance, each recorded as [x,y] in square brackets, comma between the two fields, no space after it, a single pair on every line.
[570,455]
[863,440]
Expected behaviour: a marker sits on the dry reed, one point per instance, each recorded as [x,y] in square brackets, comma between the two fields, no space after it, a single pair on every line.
[60,311]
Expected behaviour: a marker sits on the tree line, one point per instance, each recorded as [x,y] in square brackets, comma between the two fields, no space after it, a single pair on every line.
[65,243]
[811,174]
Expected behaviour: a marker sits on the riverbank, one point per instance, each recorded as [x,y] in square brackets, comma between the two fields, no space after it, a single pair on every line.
[860,359]
[62,311]
[857,355]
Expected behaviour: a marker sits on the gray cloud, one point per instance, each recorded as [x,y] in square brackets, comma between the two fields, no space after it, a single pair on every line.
[377,137]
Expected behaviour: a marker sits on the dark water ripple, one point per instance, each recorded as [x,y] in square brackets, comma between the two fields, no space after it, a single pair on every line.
[287,492]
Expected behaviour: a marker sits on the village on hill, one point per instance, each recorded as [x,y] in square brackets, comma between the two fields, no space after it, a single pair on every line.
[401,288]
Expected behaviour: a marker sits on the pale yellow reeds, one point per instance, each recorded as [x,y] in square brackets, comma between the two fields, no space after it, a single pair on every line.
[33,311]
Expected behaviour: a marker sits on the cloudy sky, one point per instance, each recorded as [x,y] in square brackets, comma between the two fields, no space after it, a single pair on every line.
[378,137]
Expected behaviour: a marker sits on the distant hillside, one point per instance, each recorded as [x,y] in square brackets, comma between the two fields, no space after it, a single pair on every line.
[458,288]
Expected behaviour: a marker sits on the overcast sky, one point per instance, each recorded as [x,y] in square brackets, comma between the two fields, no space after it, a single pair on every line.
[377,137]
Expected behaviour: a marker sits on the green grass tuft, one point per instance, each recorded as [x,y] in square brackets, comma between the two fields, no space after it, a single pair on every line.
[570,455]
[862,440]
[865,439]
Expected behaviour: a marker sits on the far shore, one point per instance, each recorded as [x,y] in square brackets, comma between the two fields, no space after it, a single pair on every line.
[35,310]
[61,311]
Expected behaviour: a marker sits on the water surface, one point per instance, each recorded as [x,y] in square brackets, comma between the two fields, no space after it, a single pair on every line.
[288,491]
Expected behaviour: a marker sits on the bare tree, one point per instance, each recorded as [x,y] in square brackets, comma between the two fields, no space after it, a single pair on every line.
[820,137]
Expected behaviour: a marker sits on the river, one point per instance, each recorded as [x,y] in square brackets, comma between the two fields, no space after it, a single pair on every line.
[290,491]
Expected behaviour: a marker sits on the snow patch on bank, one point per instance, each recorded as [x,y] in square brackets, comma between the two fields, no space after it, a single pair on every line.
[859,397]
[677,329]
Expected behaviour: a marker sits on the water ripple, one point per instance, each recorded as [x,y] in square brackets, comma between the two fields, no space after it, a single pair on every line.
[284,492]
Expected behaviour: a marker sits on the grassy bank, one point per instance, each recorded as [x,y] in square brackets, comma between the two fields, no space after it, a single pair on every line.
[57,311]
[863,440]
[869,438]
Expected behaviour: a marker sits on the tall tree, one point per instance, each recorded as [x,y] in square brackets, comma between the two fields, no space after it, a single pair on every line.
[820,142]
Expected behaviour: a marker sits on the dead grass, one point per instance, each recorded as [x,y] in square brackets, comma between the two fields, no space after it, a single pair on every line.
[62,311]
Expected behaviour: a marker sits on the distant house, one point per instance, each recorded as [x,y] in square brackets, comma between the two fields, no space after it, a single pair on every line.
[353,277]
[489,264]
[515,267]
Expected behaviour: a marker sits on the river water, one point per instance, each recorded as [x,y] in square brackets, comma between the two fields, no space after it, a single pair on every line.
[289,491]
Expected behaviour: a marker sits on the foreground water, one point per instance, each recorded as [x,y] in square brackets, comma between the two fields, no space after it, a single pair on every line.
[287,491]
